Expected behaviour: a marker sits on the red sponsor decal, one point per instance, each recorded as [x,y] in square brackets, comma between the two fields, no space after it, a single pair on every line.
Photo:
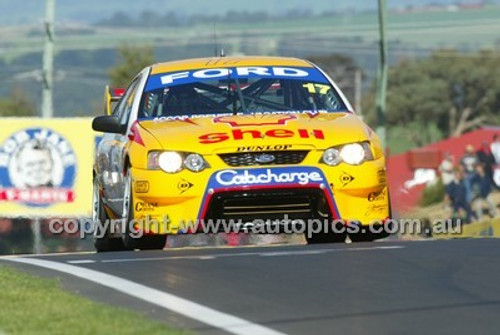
[134,135]
[255,120]
[187,120]
[312,115]
[45,195]
[238,134]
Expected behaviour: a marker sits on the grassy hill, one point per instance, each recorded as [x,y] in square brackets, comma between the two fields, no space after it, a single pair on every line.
[83,59]
[29,11]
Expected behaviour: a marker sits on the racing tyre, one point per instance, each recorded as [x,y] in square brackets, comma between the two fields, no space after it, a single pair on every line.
[368,237]
[325,238]
[332,236]
[131,242]
[367,234]
[102,241]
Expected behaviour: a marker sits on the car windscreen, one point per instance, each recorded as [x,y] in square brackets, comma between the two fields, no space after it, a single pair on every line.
[239,90]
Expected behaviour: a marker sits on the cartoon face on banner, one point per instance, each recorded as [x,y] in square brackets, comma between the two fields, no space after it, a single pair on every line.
[37,168]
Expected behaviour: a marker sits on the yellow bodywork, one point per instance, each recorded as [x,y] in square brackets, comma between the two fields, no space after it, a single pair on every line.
[222,62]
[357,193]
[360,192]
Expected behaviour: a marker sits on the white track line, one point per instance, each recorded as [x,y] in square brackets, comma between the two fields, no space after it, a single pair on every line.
[190,309]
[82,261]
[245,254]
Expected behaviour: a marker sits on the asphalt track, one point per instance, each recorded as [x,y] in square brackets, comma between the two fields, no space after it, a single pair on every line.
[426,287]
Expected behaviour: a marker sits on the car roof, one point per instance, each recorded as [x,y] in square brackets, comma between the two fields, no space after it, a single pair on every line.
[223,62]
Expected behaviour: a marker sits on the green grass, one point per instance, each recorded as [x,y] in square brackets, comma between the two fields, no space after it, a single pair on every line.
[33,305]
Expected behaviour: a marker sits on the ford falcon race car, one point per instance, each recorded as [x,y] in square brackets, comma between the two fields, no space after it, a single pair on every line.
[235,144]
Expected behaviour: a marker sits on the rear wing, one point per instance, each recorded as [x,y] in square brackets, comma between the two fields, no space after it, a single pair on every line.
[111,98]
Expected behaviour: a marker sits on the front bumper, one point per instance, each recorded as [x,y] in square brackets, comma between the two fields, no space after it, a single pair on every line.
[178,201]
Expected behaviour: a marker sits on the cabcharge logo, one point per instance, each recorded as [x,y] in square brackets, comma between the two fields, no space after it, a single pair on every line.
[266,178]
[249,177]
[37,168]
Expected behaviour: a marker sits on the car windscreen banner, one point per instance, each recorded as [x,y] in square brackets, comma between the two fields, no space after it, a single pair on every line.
[165,80]
[46,167]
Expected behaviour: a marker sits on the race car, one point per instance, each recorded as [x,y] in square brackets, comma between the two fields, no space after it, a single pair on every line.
[235,144]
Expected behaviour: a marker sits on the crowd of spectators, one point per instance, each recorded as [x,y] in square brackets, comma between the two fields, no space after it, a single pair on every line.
[470,182]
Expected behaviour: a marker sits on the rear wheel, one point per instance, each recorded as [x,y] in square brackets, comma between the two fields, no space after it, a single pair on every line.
[130,241]
[102,239]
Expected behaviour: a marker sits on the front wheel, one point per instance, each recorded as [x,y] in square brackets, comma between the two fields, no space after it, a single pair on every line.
[315,235]
[368,236]
[320,238]
[102,240]
[130,241]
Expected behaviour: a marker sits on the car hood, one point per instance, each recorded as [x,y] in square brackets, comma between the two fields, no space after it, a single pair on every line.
[230,133]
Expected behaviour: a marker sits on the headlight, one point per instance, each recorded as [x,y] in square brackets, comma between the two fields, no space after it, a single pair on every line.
[331,157]
[352,153]
[194,162]
[170,161]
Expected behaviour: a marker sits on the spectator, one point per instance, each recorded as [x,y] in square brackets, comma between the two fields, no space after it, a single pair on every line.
[457,197]
[469,163]
[495,149]
[485,189]
[446,169]
[486,158]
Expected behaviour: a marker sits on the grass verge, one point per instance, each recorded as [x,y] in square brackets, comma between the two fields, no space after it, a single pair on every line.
[33,305]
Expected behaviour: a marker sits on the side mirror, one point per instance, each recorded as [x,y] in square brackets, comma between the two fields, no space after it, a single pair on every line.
[107,124]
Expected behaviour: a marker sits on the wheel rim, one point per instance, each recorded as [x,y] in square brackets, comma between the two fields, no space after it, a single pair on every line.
[96,200]
[95,203]
[126,197]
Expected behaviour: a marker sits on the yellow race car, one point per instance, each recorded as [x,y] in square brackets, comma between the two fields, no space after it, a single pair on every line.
[235,144]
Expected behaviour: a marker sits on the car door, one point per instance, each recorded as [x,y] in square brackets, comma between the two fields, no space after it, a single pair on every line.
[111,152]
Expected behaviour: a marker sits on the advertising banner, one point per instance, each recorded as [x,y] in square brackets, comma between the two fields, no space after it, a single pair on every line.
[46,167]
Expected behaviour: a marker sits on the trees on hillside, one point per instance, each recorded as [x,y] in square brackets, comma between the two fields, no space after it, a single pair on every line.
[342,69]
[132,59]
[17,104]
[444,95]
